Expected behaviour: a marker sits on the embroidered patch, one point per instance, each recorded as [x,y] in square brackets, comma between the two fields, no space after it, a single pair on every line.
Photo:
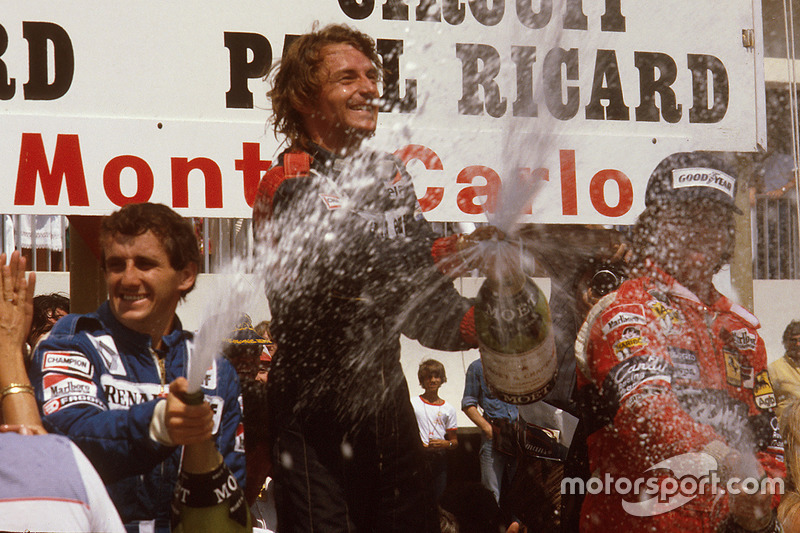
[69,362]
[331,201]
[685,363]
[762,391]
[623,315]
[733,369]
[58,385]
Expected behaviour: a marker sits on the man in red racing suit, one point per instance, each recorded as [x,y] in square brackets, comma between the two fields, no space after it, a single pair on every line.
[675,379]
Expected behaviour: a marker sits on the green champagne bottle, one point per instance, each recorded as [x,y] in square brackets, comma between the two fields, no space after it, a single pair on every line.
[515,337]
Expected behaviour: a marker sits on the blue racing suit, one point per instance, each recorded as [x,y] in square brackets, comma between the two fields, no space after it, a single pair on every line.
[98,383]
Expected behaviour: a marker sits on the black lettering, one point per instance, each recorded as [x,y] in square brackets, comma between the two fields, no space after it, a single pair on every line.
[241,70]
[390,51]
[524,57]
[454,11]
[429,10]
[488,16]
[288,39]
[701,66]
[554,83]
[7,84]
[534,19]
[612,19]
[575,18]
[38,34]
[606,85]
[395,10]
[648,63]
[357,10]
[472,77]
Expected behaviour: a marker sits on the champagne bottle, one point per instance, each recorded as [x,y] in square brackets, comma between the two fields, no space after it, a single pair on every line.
[515,337]
[207,497]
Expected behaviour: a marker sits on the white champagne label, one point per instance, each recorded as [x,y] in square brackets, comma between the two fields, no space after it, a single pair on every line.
[521,374]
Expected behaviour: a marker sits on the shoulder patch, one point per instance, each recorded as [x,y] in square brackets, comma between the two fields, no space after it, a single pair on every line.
[622,315]
[107,348]
[67,362]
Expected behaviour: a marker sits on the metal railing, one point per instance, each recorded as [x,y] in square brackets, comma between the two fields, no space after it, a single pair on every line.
[775,238]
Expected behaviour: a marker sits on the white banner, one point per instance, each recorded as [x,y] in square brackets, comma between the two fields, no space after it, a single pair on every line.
[165,101]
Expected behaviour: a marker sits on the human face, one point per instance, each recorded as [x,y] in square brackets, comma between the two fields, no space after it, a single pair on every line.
[696,238]
[143,288]
[346,109]
[432,383]
[792,346]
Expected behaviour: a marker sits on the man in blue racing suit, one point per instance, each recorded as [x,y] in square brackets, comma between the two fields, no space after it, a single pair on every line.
[103,378]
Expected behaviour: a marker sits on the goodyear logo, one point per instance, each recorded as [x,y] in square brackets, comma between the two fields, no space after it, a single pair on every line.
[703,177]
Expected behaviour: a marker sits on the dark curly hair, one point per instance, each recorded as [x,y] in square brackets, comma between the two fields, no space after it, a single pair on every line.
[295,78]
[175,232]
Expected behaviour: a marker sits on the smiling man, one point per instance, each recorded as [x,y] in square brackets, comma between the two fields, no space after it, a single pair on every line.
[104,378]
[350,263]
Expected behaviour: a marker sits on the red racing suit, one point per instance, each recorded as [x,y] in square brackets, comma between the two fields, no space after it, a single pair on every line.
[665,376]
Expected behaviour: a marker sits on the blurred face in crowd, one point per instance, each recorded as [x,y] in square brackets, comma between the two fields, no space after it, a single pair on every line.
[346,110]
[143,288]
[792,345]
[694,241]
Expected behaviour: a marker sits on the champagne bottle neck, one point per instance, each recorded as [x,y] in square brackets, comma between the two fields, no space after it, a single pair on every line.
[506,281]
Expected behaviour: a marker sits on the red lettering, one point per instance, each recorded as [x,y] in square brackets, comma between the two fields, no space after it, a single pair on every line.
[569,188]
[530,179]
[468,195]
[598,195]
[429,158]
[67,167]
[144,180]
[251,165]
[181,167]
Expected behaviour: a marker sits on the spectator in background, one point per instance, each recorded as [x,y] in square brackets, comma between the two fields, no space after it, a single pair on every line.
[245,348]
[112,380]
[785,372]
[47,310]
[48,484]
[437,420]
[496,420]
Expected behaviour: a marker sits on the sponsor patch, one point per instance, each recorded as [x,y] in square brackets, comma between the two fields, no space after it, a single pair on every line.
[58,385]
[331,201]
[623,315]
[748,377]
[69,362]
[217,403]
[210,378]
[762,391]
[630,342]
[107,349]
[733,369]
[238,443]
[626,376]
[667,316]
[744,339]
[683,178]
[122,394]
[685,363]
[56,404]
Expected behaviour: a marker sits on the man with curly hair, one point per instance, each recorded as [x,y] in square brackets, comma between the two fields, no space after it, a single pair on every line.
[354,267]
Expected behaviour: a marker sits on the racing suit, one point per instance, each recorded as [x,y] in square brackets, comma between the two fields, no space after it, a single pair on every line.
[354,269]
[98,383]
[664,375]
